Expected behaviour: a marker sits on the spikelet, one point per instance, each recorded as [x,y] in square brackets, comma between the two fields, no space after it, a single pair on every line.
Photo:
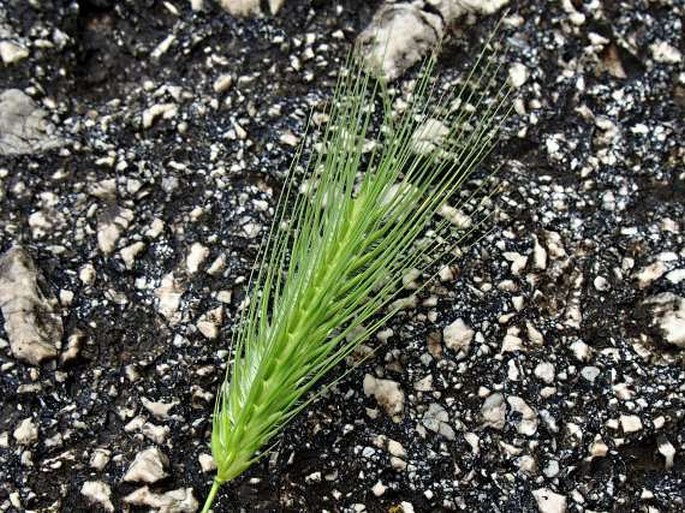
[341,242]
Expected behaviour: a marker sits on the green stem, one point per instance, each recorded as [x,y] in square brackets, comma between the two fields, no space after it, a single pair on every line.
[210,498]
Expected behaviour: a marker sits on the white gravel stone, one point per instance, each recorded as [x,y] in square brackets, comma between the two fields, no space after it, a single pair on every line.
[458,336]
[518,75]
[528,422]
[455,216]
[210,323]
[581,350]
[156,228]
[528,465]
[223,83]
[667,450]
[289,139]
[429,137]
[196,256]
[169,294]
[99,459]
[398,37]
[518,261]
[539,256]
[11,52]
[407,507]
[379,489]
[676,276]
[668,316]
[98,492]
[590,373]
[174,501]
[249,7]
[163,110]
[630,423]
[649,274]
[24,128]
[601,283]
[159,409]
[598,449]
[129,253]
[437,419]
[32,322]
[388,394]
[549,501]
[545,372]
[534,334]
[26,433]
[664,52]
[87,274]
[154,433]
[207,463]
[111,227]
[494,411]
[425,384]
[511,343]
[217,266]
[148,467]
[396,449]
[551,470]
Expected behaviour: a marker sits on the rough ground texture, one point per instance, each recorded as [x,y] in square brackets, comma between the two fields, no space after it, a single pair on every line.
[158,139]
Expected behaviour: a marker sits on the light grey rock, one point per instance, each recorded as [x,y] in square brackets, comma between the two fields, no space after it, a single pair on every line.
[223,83]
[668,315]
[396,449]
[549,501]
[149,466]
[11,52]
[207,463]
[196,256]
[197,5]
[210,322]
[663,52]
[26,433]
[388,394]
[518,74]
[169,294]
[667,450]
[111,225]
[98,492]
[32,322]
[23,127]
[158,408]
[590,373]
[545,372]
[130,252]
[650,273]
[494,411]
[458,336]
[528,418]
[249,7]
[630,423]
[400,35]
[429,137]
[174,501]
[99,458]
[437,419]
[159,110]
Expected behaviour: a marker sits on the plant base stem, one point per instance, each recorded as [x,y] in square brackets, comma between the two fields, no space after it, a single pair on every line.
[210,498]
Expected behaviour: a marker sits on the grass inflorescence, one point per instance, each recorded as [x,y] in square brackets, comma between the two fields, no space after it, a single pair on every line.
[342,241]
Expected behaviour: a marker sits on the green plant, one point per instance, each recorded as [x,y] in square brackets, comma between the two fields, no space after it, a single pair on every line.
[339,247]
